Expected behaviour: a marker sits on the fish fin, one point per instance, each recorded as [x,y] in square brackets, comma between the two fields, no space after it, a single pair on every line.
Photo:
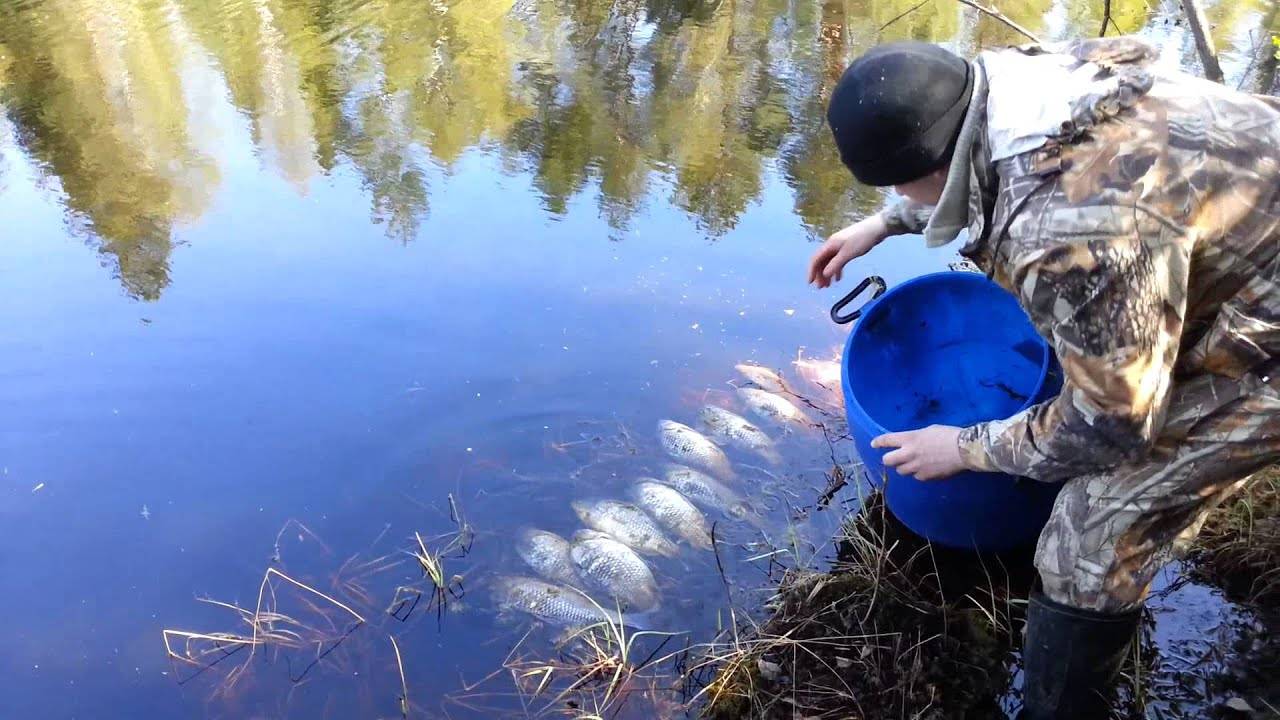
[753,517]
[637,621]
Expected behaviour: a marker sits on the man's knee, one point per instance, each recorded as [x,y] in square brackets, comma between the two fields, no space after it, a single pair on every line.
[1092,560]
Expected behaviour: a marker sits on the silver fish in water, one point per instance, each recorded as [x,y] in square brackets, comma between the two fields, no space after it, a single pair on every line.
[735,430]
[555,604]
[705,491]
[763,377]
[673,511]
[615,570]
[690,447]
[548,555]
[822,373]
[626,523]
[774,408]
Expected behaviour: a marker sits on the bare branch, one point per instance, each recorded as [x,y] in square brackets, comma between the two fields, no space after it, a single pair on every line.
[992,12]
[905,13]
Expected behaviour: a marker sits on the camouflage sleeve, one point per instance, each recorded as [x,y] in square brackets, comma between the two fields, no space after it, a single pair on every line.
[903,216]
[1109,292]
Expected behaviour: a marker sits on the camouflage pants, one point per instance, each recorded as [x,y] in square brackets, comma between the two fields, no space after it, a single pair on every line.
[1110,533]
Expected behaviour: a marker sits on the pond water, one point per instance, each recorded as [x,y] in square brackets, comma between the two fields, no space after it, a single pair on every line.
[283,279]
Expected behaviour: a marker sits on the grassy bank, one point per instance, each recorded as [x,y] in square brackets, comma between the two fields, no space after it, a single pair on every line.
[898,628]
[1239,548]
[885,634]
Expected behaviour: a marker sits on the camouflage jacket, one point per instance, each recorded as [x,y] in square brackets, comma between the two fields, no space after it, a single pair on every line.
[1141,238]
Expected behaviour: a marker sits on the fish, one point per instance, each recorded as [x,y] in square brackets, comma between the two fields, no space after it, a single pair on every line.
[556,604]
[823,373]
[548,555]
[705,491]
[627,524]
[615,570]
[732,429]
[763,377]
[673,511]
[690,447]
[774,408]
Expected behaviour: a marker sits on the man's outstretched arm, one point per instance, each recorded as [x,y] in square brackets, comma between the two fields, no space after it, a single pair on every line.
[899,218]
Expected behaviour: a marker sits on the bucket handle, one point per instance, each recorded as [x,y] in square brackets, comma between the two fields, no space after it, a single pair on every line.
[839,319]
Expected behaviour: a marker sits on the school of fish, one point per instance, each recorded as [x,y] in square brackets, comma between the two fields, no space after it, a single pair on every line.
[601,573]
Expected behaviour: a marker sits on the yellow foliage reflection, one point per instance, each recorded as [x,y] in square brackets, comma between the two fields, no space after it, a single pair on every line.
[704,97]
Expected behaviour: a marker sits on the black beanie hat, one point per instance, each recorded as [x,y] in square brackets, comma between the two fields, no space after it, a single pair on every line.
[897,111]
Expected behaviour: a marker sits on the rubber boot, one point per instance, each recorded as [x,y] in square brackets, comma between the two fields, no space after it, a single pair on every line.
[1070,660]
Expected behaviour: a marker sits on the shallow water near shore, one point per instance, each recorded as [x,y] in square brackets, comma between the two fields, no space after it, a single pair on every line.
[315,286]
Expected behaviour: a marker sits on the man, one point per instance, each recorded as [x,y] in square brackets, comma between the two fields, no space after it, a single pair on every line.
[1135,213]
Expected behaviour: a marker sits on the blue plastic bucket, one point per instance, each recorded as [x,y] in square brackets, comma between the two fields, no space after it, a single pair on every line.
[950,348]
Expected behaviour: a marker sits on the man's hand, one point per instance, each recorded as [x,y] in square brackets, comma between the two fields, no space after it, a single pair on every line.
[827,264]
[931,453]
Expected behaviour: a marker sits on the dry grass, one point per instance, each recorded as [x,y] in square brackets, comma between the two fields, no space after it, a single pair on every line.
[404,684]
[1239,546]
[597,672]
[328,623]
[302,625]
[900,629]
[884,635]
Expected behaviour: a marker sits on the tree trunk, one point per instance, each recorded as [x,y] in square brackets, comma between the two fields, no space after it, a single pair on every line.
[1204,41]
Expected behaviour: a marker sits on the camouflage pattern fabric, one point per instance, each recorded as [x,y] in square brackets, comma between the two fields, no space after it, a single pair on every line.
[1143,243]
[1111,531]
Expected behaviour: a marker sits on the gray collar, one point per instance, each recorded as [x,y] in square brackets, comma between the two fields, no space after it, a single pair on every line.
[951,214]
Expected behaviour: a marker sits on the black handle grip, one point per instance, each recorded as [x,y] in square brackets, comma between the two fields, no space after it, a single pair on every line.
[839,319]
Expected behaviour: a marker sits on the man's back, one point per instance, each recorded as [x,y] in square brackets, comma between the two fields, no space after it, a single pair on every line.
[1163,166]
